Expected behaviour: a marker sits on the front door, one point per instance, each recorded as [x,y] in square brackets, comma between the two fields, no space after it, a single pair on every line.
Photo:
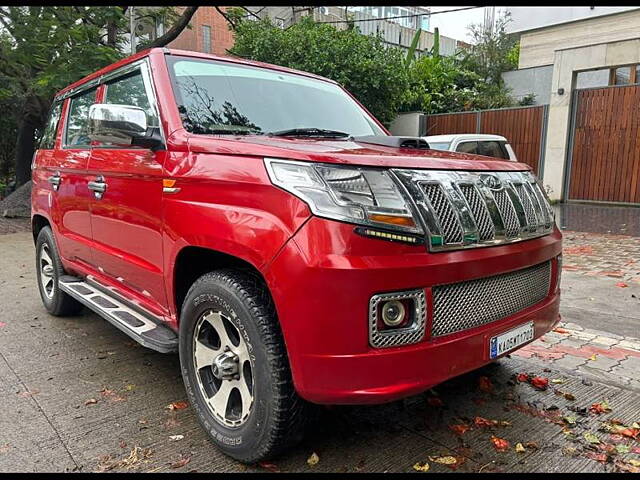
[126,219]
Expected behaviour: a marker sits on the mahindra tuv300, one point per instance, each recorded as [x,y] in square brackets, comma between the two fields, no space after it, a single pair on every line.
[259,221]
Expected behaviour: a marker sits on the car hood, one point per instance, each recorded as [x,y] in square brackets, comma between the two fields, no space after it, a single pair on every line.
[345,151]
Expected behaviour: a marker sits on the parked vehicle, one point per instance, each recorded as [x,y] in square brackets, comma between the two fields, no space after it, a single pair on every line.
[477,144]
[259,221]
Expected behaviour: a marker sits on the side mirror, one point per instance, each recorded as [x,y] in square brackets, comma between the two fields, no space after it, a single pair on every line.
[122,125]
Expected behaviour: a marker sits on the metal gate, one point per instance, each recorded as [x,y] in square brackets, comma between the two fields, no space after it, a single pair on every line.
[524,127]
[604,148]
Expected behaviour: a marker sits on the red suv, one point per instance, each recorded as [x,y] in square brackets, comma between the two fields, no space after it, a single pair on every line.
[262,223]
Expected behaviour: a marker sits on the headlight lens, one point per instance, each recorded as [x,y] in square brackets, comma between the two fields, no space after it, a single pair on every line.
[364,196]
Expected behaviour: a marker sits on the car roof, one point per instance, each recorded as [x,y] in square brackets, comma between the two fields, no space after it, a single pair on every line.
[186,53]
[462,136]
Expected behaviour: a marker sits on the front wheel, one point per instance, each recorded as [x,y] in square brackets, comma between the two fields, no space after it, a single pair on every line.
[235,367]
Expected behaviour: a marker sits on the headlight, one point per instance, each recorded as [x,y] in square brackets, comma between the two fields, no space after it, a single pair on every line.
[363,196]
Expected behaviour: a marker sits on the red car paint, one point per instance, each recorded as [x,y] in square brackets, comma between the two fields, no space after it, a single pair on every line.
[319,272]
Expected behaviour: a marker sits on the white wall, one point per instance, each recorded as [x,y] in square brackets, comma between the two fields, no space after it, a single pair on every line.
[527,18]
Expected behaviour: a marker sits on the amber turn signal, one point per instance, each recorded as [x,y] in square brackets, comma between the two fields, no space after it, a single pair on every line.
[392,219]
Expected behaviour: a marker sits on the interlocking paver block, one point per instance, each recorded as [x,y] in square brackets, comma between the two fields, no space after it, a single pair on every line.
[602,363]
[570,362]
[605,341]
[629,344]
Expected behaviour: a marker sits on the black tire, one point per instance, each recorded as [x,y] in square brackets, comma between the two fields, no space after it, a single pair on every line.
[278,415]
[56,301]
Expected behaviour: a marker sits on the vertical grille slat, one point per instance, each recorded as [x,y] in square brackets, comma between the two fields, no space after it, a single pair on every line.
[480,212]
[449,222]
[471,209]
[532,218]
[508,213]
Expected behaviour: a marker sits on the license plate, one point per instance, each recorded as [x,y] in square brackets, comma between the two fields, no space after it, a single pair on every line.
[509,340]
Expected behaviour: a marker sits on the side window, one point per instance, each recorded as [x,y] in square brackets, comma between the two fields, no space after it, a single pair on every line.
[48,139]
[78,121]
[491,149]
[130,90]
[467,147]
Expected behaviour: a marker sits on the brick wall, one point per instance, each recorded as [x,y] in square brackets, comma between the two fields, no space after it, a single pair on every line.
[191,39]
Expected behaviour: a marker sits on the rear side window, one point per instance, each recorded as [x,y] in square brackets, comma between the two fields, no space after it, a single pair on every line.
[48,139]
[439,145]
[78,121]
[130,90]
[491,149]
[467,147]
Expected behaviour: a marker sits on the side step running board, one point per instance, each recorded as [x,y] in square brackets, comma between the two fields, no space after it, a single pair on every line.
[146,329]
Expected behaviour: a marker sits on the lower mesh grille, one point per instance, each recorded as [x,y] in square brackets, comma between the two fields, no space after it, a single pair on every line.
[465,305]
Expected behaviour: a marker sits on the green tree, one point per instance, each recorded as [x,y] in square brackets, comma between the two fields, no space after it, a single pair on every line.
[492,53]
[43,49]
[373,73]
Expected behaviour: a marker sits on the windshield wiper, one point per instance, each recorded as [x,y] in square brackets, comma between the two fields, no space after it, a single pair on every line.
[309,132]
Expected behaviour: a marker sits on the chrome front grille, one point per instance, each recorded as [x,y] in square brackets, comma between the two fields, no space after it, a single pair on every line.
[477,209]
[470,304]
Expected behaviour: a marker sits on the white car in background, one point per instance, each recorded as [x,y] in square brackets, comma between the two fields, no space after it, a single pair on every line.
[479,144]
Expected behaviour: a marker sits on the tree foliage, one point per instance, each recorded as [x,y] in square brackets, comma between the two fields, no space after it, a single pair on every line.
[373,73]
[43,49]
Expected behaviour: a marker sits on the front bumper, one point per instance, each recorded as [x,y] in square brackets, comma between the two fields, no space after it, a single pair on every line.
[322,281]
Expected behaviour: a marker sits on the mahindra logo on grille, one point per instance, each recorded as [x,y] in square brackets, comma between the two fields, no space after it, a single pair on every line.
[491,181]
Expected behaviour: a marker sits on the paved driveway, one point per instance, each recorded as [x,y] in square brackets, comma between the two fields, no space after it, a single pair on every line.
[77,394]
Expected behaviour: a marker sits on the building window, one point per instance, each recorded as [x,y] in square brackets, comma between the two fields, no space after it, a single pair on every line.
[628,75]
[206,38]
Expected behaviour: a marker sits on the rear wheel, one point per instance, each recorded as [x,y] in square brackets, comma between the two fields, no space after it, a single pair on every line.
[48,271]
[235,367]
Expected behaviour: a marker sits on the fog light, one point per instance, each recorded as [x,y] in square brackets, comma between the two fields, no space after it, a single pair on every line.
[393,313]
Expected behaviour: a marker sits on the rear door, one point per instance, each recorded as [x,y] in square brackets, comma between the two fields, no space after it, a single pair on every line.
[67,173]
[126,219]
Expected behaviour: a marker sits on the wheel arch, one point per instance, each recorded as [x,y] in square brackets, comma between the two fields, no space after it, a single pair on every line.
[38,222]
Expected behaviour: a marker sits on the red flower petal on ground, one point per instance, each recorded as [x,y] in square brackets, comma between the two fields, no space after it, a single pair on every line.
[522,377]
[621,285]
[541,383]
[460,428]
[484,384]
[599,408]
[560,330]
[500,444]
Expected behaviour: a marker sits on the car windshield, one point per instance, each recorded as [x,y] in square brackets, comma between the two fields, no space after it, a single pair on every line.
[439,145]
[222,98]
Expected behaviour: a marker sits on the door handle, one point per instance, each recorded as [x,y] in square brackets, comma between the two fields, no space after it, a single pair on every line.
[55,180]
[98,186]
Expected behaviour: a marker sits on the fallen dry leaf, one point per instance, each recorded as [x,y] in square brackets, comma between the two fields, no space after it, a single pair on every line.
[421,467]
[484,384]
[593,357]
[541,383]
[531,445]
[630,432]
[500,444]
[569,396]
[635,463]
[446,460]
[460,428]
[484,422]
[29,393]
[91,401]
[591,438]
[129,387]
[313,459]
[600,457]
[598,408]
[561,330]
[175,438]
[177,405]
[558,380]
[272,467]
[123,444]
[520,448]
[181,462]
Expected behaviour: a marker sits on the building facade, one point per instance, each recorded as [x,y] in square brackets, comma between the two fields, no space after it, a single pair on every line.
[209,33]
[561,58]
